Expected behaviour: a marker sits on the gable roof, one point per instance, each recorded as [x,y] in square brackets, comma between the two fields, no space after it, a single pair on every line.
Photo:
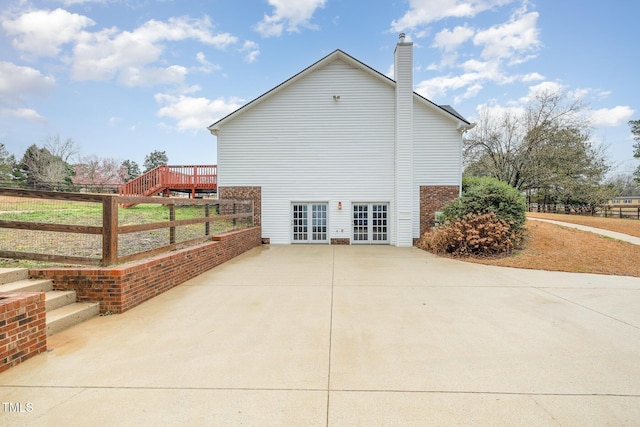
[333,56]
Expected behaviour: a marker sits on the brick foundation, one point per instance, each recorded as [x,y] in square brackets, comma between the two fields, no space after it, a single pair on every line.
[23,328]
[340,241]
[432,199]
[121,288]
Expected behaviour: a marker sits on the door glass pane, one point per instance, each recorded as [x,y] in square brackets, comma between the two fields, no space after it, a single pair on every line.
[379,222]
[319,222]
[299,222]
[360,222]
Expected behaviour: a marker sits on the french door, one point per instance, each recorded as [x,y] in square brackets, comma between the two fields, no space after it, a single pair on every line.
[370,223]
[309,223]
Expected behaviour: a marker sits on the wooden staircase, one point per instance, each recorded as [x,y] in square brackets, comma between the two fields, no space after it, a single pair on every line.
[62,307]
[165,179]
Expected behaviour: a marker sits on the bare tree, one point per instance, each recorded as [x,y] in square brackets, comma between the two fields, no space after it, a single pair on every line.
[99,173]
[40,168]
[519,147]
[65,150]
[544,149]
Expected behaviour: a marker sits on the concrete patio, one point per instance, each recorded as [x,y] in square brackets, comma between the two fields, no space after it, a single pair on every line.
[347,335]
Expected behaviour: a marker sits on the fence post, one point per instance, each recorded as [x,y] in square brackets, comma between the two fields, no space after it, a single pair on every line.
[109,230]
[172,229]
[207,225]
[234,212]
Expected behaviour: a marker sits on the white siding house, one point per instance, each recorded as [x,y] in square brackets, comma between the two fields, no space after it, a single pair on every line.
[340,153]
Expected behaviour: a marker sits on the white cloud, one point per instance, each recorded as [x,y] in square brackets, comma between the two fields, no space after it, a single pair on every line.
[448,40]
[17,81]
[289,15]
[205,65]
[611,116]
[73,2]
[17,84]
[546,87]
[23,113]
[252,51]
[195,114]
[423,12]
[43,32]
[512,40]
[439,86]
[183,28]
[497,111]
[151,76]
[112,53]
[103,55]
[494,49]
[532,77]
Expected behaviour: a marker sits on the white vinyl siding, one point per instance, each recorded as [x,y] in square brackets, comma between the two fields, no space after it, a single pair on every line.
[437,153]
[302,145]
[403,144]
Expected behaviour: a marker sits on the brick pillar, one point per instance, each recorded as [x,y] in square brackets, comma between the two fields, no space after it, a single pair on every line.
[432,199]
[23,329]
[245,193]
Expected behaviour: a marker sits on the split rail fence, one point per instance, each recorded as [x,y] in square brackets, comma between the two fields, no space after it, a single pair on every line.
[606,211]
[98,229]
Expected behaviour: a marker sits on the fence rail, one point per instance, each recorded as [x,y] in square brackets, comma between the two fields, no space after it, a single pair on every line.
[94,229]
[607,211]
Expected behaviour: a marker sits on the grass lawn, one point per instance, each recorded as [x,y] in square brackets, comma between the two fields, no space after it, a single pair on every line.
[553,247]
[626,226]
[90,214]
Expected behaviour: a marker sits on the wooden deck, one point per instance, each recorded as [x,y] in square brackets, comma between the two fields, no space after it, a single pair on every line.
[165,179]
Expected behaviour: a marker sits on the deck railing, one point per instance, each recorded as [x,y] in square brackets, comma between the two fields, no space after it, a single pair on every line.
[194,177]
[94,229]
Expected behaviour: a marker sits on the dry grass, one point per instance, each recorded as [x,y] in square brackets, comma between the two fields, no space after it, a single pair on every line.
[553,247]
[626,226]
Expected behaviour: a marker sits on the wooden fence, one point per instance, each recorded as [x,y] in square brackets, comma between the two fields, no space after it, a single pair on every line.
[606,211]
[213,216]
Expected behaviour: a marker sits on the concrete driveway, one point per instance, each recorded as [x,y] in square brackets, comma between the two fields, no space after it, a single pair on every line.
[348,335]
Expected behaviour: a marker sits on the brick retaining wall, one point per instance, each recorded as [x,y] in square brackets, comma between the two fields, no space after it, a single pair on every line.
[23,328]
[121,288]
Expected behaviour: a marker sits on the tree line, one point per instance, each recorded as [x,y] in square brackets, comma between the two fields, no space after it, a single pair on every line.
[57,165]
[546,151]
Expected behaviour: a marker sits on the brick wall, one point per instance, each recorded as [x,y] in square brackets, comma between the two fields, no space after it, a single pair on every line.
[121,288]
[340,241]
[432,199]
[245,193]
[23,328]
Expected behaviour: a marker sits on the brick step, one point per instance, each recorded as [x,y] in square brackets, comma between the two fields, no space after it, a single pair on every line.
[61,306]
[69,315]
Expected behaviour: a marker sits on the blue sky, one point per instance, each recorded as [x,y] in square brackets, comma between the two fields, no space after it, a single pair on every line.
[125,77]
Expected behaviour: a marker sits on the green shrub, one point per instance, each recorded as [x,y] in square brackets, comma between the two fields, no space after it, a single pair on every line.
[484,195]
[472,235]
